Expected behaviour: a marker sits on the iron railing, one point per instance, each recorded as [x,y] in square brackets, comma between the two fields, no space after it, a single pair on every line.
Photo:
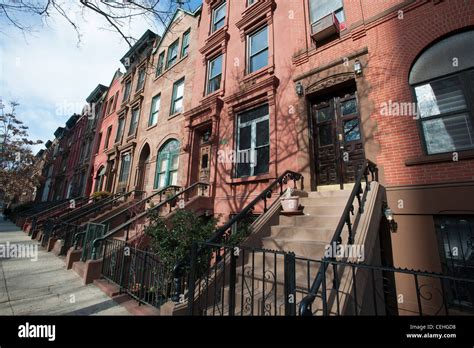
[169,201]
[247,214]
[39,220]
[246,281]
[139,273]
[60,232]
[359,193]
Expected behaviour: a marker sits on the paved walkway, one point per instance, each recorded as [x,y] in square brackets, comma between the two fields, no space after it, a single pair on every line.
[44,287]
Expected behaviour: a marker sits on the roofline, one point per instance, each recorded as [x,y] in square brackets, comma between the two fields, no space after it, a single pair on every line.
[137,44]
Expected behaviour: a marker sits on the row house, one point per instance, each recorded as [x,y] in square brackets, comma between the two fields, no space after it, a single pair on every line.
[303,84]
[157,89]
[104,164]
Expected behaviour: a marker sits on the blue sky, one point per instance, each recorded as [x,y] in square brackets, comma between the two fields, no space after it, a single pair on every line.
[50,74]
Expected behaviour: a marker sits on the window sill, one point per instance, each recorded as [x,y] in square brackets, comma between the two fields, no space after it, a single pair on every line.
[251,179]
[267,70]
[440,158]
[131,137]
[175,115]
[151,127]
[219,93]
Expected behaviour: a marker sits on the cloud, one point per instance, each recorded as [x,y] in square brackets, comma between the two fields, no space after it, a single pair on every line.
[47,69]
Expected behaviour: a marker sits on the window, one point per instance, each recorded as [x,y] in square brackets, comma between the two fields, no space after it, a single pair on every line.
[98,143]
[134,121]
[321,8]
[178,95]
[214,74]
[253,142]
[160,64]
[110,104]
[115,101]
[185,44]
[172,54]
[167,165]
[155,109]
[444,95]
[258,50]
[218,17]
[141,79]
[125,168]
[107,137]
[126,93]
[446,120]
[251,2]
[121,124]
[455,237]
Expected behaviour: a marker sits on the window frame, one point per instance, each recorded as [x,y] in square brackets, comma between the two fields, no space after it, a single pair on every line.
[213,17]
[174,99]
[107,137]
[133,127]
[249,48]
[141,79]
[208,75]
[160,64]
[121,173]
[185,43]
[253,140]
[127,91]
[468,94]
[153,113]
[339,9]
[170,63]
[120,129]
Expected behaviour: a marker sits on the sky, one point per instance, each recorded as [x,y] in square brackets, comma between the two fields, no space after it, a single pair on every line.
[50,73]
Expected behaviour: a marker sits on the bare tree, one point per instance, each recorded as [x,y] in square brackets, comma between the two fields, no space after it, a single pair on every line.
[116,14]
[16,157]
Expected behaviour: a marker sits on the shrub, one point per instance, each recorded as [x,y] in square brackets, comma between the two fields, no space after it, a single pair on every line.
[97,196]
[172,239]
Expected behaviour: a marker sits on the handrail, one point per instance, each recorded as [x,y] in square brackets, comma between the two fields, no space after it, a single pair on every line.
[67,202]
[368,167]
[144,200]
[221,232]
[98,241]
[100,204]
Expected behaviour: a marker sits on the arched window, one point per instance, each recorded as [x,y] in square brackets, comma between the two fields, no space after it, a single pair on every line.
[100,179]
[167,164]
[443,82]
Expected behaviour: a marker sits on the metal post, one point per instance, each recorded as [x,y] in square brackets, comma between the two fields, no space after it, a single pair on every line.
[232,281]
[192,279]
[290,284]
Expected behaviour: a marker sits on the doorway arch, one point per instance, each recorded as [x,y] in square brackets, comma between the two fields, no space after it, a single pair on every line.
[143,168]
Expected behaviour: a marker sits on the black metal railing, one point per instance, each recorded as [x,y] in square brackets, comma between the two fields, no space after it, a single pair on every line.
[246,281]
[368,173]
[139,273]
[38,220]
[139,206]
[62,225]
[170,203]
[51,211]
[224,233]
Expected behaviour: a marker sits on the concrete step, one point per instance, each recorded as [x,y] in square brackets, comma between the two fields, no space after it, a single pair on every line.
[302,233]
[335,193]
[323,210]
[320,221]
[303,248]
[323,201]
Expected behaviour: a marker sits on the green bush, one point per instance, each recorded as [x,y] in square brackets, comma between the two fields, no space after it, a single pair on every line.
[100,195]
[172,239]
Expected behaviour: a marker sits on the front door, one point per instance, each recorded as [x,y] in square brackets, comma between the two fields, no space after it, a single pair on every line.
[337,137]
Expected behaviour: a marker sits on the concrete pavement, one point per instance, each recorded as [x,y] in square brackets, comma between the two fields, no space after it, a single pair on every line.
[44,287]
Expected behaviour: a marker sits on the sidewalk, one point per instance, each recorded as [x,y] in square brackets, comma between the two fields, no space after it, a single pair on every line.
[45,287]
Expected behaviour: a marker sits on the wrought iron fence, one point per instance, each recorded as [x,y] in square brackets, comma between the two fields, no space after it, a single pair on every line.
[139,273]
[92,232]
[245,281]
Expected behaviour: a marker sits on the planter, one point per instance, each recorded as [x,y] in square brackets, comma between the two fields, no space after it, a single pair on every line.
[290,204]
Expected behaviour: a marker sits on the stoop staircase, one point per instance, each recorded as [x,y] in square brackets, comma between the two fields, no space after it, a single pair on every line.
[282,266]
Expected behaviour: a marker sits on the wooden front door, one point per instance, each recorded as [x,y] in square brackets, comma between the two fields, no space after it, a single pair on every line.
[337,138]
